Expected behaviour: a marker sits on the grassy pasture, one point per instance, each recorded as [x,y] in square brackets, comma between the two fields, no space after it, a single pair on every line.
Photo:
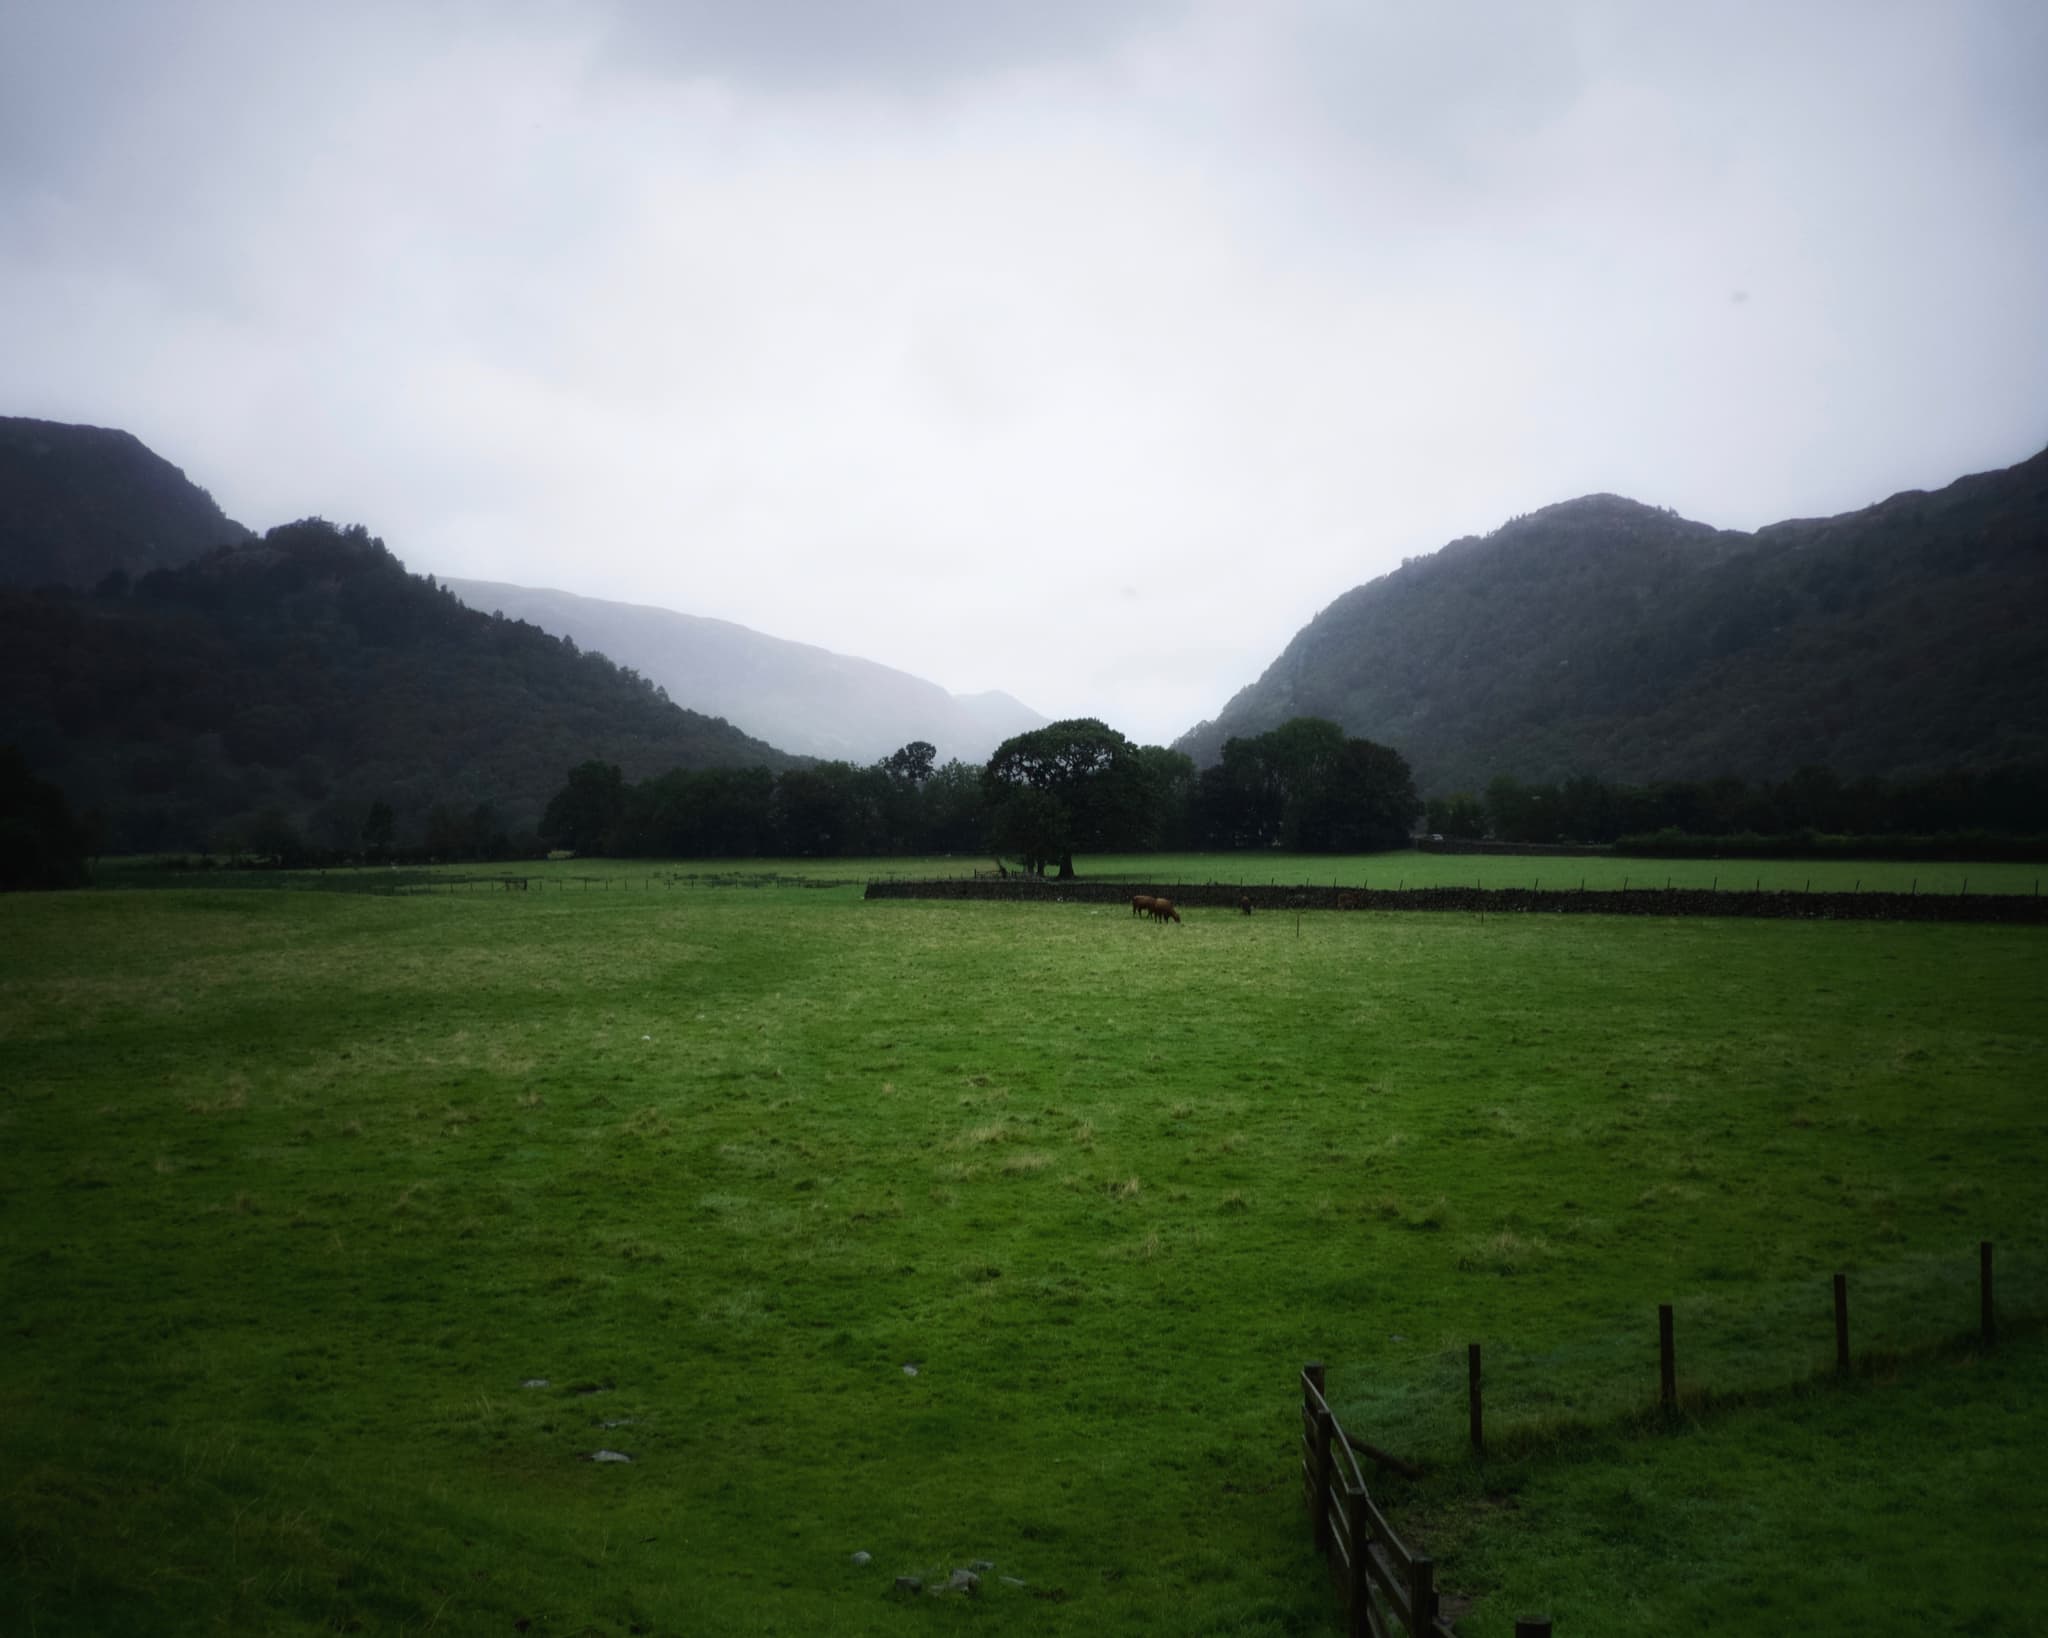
[299,1189]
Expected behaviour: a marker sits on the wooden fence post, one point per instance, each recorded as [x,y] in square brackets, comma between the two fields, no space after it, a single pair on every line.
[1667,1368]
[1988,1315]
[1323,1465]
[1319,1452]
[1472,1391]
[1361,1564]
[1421,1594]
[1842,1324]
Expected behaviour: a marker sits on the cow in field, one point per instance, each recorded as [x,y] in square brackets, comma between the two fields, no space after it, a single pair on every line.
[1244,903]
[1163,910]
[1142,903]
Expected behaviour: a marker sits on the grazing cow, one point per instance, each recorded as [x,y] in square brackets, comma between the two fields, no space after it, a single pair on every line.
[1244,903]
[1163,910]
[1142,904]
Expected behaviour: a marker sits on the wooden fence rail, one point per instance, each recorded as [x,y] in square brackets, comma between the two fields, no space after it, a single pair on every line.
[1382,1582]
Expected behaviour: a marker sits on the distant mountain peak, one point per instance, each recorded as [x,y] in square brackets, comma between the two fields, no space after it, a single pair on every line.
[80,502]
[1601,502]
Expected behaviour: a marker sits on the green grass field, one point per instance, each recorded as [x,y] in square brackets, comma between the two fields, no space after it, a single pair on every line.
[300,1190]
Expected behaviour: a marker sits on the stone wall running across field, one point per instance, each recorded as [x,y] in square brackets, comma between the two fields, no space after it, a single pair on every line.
[1633,901]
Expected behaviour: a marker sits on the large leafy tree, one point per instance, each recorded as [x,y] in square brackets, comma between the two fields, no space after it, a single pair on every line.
[831,810]
[952,809]
[1274,787]
[702,813]
[1174,781]
[911,764]
[1307,785]
[1369,799]
[1070,786]
[897,784]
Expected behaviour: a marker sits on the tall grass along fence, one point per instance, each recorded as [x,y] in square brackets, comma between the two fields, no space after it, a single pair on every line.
[1622,901]
[1381,1579]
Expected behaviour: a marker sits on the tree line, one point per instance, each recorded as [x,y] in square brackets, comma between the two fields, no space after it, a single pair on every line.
[1079,787]
[2005,801]
[1069,788]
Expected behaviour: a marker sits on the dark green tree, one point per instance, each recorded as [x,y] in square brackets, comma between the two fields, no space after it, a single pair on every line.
[816,812]
[1460,816]
[896,794]
[586,814]
[1516,812]
[1368,801]
[1307,785]
[42,843]
[1069,786]
[1174,783]
[711,813]
[912,763]
[952,819]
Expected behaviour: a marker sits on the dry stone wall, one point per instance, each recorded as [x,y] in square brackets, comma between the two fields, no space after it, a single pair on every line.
[1634,901]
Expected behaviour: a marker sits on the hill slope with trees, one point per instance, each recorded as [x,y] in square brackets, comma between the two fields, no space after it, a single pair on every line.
[1607,637]
[80,503]
[806,699]
[289,686]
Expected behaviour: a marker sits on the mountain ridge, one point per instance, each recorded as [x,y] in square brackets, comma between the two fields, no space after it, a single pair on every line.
[80,502]
[808,699]
[1605,636]
[289,684]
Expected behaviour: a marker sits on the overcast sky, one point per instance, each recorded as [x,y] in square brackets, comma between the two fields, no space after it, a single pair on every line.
[1074,348]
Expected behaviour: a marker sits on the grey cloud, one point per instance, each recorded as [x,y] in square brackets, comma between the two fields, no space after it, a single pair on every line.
[891,46]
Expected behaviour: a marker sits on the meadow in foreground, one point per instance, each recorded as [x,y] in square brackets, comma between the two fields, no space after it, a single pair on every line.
[302,1190]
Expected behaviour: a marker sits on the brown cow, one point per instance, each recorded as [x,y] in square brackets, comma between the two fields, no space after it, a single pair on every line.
[1244,903]
[1142,903]
[1163,910]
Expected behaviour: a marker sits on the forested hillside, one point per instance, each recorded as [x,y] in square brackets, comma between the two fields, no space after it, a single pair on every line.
[294,684]
[79,503]
[1606,637]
